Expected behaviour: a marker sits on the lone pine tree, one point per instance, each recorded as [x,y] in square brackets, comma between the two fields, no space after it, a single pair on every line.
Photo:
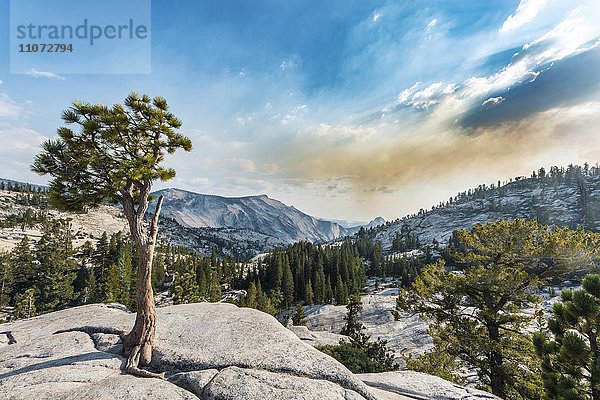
[114,154]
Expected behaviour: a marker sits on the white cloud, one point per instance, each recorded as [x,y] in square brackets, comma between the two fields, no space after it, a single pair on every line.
[431,24]
[573,35]
[493,102]
[427,97]
[526,11]
[406,93]
[44,74]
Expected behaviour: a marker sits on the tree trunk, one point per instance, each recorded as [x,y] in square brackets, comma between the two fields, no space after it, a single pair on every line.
[138,343]
[497,377]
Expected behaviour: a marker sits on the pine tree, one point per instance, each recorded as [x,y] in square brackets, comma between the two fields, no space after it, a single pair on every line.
[115,154]
[56,266]
[90,290]
[353,326]
[6,279]
[26,305]
[309,297]
[251,300]
[288,285]
[215,284]
[185,289]
[112,285]
[360,354]
[299,317]
[341,293]
[124,271]
[571,355]
[23,267]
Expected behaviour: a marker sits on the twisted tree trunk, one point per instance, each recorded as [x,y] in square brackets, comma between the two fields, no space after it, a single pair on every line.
[138,343]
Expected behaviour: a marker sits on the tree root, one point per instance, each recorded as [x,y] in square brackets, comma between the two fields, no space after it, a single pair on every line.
[133,368]
[133,360]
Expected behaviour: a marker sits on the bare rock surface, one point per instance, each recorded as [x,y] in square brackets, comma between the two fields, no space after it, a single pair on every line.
[197,345]
[207,351]
[250,384]
[422,386]
[316,338]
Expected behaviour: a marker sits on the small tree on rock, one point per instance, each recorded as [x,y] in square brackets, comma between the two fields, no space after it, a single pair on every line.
[114,154]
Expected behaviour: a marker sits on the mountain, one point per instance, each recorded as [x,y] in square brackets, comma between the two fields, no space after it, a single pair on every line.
[255,213]
[564,197]
[375,222]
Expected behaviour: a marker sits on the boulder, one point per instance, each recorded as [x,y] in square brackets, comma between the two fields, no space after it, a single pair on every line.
[249,384]
[317,338]
[422,386]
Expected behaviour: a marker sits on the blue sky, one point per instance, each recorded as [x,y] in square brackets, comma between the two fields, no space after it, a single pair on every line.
[346,109]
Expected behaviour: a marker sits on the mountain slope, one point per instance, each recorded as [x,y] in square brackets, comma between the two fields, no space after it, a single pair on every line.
[257,213]
[569,198]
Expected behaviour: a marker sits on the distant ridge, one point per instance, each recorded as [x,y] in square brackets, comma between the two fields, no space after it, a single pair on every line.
[566,197]
[258,213]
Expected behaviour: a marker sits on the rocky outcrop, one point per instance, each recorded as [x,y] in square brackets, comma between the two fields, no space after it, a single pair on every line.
[422,386]
[202,348]
[316,338]
[206,351]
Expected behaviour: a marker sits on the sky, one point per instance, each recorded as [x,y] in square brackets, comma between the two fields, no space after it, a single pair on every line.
[345,109]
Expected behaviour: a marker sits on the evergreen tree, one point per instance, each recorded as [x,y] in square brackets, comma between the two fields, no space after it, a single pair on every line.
[185,289]
[124,271]
[215,285]
[26,305]
[251,299]
[360,354]
[571,354]
[6,279]
[90,291]
[115,154]
[56,269]
[288,285]
[112,285]
[353,326]
[492,338]
[101,261]
[309,297]
[23,266]
[299,317]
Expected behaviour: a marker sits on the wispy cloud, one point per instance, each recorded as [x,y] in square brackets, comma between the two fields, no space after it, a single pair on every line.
[9,108]
[526,11]
[44,74]
[431,24]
